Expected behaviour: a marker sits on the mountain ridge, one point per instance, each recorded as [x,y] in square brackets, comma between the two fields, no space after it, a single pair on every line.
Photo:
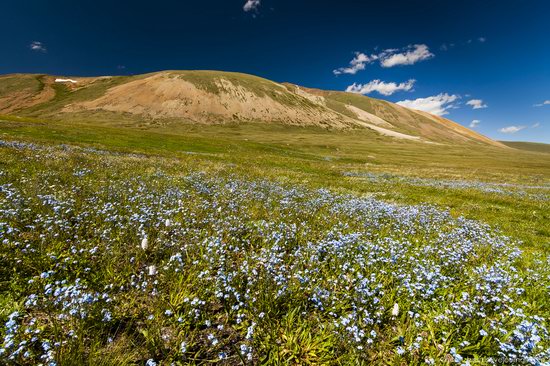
[198,96]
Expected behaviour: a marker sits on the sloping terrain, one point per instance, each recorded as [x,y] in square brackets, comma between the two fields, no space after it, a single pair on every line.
[528,146]
[214,97]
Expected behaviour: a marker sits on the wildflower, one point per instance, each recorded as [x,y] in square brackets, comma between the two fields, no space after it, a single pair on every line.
[144,243]
[152,270]
[458,358]
[212,339]
[107,316]
[395,310]
[250,331]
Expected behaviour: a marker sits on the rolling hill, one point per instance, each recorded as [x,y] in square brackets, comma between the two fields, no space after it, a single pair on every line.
[212,97]
[528,146]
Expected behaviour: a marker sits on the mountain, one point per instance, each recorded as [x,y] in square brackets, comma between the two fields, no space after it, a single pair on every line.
[219,97]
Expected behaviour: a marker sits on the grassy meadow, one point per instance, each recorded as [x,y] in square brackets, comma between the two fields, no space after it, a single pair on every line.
[165,243]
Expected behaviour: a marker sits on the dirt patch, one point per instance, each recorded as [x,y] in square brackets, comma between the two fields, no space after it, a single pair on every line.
[317,99]
[368,117]
[398,135]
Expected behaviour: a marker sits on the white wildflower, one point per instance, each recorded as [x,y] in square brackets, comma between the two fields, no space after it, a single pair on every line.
[144,243]
[395,310]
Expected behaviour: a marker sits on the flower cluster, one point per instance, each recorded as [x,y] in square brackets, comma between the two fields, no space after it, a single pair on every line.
[190,265]
[532,192]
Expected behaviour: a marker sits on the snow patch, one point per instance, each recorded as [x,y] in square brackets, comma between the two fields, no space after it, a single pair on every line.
[66,81]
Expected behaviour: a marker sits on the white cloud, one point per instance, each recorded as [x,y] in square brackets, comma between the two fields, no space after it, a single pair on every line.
[251,5]
[474,123]
[536,125]
[482,39]
[476,104]
[511,129]
[381,87]
[546,102]
[412,55]
[358,63]
[388,58]
[37,46]
[437,104]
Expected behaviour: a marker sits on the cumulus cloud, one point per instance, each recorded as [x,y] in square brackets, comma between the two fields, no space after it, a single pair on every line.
[476,104]
[387,58]
[37,46]
[381,87]
[511,129]
[251,5]
[412,55]
[474,123]
[546,102]
[358,63]
[437,104]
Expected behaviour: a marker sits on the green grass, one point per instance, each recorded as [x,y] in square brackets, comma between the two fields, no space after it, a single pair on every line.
[13,84]
[320,157]
[240,206]
[250,250]
[528,146]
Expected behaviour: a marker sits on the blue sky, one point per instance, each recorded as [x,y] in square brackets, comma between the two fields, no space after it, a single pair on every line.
[438,54]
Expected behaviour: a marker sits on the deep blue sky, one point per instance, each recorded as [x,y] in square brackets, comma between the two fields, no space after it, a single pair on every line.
[303,41]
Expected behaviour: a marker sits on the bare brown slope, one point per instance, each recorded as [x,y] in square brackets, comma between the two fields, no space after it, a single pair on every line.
[404,120]
[460,129]
[215,99]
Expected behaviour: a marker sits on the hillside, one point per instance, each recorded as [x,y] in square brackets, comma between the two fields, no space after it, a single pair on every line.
[212,97]
[528,146]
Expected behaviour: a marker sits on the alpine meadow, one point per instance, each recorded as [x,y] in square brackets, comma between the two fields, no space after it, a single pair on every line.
[189,217]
